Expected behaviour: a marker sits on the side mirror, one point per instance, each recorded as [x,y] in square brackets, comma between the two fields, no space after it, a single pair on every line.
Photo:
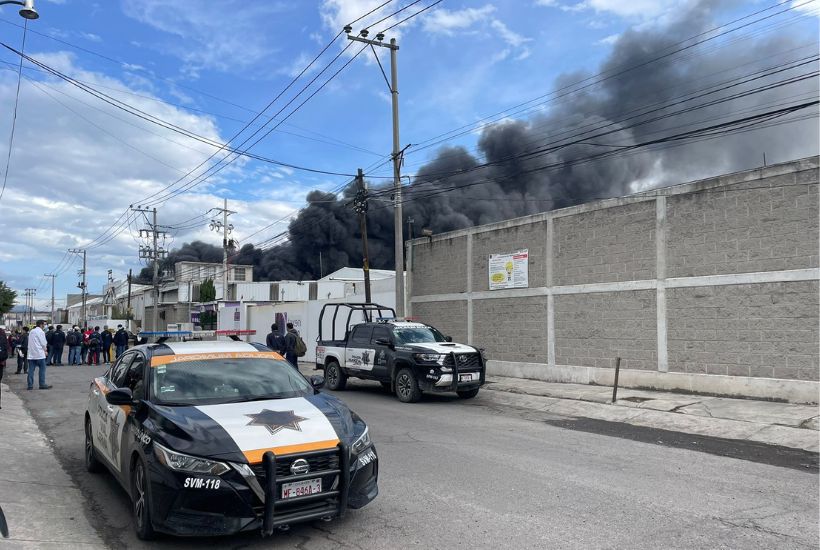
[317,381]
[120,396]
[448,338]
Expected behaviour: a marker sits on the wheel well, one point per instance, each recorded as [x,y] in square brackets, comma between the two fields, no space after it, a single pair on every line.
[397,366]
[329,359]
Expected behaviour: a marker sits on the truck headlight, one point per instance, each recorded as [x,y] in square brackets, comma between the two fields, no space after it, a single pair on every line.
[187,463]
[429,357]
[362,443]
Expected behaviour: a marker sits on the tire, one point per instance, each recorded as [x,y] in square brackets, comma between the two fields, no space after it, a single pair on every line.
[407,387]
[467,394]
[140,509]
[92,464]
[335,379]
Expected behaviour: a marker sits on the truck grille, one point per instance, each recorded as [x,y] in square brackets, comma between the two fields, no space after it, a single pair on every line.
[466,361]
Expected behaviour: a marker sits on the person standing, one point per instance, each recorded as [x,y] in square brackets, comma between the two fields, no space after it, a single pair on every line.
[37,348]
[86,343]
[107,340]
[291,338]
[22,353]
[4,354]
[275,341]
[57,345]
[50,351]
[120,341]
[74,340]
[94,345]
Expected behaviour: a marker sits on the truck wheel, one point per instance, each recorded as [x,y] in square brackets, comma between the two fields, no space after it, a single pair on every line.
[467,394]
[407,387]
[335,379]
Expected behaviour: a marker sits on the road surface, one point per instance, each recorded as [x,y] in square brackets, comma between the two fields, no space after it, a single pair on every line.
[456,474]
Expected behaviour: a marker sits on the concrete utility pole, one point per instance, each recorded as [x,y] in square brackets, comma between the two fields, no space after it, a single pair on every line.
[53,276]
[398,223]
[153,253]
[226,228]
[128,300]
[29,294]
[82,286]
[360,207]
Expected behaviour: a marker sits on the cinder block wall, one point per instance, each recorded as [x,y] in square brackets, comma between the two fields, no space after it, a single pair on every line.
[707,286]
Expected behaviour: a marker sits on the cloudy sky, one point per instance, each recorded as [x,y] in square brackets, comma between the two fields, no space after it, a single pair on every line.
[207,68]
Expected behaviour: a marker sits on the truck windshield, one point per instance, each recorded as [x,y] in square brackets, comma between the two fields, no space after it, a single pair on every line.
[226,380]
[417,335]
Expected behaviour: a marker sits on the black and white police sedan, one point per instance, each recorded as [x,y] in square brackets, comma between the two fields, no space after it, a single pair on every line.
[214,438]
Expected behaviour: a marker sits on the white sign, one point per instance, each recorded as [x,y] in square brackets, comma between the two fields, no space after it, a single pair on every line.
[509,270]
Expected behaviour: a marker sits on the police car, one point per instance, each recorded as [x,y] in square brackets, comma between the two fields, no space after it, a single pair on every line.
[214,438]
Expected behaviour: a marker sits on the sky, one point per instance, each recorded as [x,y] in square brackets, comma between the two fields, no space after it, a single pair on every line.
[208,68]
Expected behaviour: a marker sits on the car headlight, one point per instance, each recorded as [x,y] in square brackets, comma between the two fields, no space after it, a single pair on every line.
[363,442]
[429,357]
[187,463]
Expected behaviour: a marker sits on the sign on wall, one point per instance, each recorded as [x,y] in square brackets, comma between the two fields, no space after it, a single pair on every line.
[509,270]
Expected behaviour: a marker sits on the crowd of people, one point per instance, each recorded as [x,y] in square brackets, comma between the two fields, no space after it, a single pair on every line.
[35,349]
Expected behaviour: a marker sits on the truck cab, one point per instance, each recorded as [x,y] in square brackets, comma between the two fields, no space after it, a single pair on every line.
[407,357]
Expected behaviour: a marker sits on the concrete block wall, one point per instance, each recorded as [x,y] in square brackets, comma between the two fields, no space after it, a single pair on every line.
[709,286]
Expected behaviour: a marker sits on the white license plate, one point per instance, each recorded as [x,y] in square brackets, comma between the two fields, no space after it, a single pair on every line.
[467,377]
[301,488]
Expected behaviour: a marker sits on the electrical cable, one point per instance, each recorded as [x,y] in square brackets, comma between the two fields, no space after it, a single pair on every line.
[14,113]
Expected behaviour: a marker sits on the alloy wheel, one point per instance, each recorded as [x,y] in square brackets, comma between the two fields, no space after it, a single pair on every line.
[139,502]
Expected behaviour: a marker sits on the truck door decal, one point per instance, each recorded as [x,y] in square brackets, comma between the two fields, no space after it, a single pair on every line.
[360,359]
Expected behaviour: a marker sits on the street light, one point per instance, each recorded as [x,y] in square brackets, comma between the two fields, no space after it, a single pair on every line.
[28,11]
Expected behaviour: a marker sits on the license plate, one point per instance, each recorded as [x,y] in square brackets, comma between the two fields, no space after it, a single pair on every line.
[467,377]
[301,488]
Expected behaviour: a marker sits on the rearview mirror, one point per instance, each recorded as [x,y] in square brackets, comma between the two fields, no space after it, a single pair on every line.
[120,396]
[317,381]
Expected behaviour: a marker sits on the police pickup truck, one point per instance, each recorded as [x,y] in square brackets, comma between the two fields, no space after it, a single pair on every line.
[407,357]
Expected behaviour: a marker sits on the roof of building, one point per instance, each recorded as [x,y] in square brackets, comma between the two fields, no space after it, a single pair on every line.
[356,274]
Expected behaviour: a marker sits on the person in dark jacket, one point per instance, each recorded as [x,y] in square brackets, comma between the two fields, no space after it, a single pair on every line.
[4,354]
[49,345]
[275,341]
[290,345]
[94,345]
[22,352]
[57,345]
[107,340]
[74,339]
[120,341]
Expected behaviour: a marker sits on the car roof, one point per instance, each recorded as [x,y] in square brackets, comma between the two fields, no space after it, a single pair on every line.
[210,346]
[399,324]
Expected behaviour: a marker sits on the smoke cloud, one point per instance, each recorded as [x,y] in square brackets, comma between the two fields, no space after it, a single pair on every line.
[512,186]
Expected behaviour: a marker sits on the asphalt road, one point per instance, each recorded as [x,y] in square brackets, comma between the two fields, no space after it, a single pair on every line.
[457,474]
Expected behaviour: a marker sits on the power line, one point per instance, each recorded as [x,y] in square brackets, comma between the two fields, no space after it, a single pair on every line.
[14,115]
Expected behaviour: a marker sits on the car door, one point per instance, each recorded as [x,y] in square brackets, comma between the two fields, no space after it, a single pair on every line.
[359,353]
[123,422]
[381,341]
[108,415]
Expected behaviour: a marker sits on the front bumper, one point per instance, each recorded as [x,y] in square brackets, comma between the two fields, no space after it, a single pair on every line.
[206,505]
[464,372]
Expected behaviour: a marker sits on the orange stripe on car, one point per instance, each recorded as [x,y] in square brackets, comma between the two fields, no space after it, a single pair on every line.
[159,360]
[255,456]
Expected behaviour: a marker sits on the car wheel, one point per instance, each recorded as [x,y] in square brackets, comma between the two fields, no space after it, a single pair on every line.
[91,463]
[407,387]
[335,379]
[140,502]
[468,394]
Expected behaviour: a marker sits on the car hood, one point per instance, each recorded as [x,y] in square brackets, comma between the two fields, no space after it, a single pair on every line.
[437,347]
[243,432]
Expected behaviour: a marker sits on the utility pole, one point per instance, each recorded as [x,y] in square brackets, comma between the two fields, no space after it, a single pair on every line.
[82,286]
[29,294]
[226,228]
[153,253]
[360,207]
[397,215]
[128,300]
[53,276]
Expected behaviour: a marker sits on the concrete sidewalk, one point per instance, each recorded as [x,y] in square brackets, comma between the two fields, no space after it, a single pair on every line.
[784,424]
[43,507]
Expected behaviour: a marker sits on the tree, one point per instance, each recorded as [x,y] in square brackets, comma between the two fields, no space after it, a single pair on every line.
[7,298]
[207,291]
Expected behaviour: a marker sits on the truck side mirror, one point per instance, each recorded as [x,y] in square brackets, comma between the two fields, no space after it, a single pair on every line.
[448,338]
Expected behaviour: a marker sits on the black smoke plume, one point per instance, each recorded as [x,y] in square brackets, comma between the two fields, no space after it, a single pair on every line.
[497,183]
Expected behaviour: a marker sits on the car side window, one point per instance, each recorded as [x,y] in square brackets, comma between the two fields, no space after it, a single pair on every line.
[135,377]
[361,336]
[380,333]
[119,370]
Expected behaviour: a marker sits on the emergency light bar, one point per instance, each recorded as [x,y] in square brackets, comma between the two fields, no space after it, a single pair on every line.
[166,333]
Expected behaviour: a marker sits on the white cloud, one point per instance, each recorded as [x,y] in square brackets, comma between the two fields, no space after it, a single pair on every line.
[546,3]
[807,7]
[641,10]
[608,40]
[90,36]
[221,35]
[69,180]
[447,21]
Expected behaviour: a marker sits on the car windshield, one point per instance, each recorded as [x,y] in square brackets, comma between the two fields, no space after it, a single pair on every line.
[226,380]
[417,335]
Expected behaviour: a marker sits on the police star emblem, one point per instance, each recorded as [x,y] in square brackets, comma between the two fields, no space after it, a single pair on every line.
[275,421]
